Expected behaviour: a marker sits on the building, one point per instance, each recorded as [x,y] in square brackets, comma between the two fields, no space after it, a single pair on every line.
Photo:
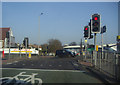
[6,37]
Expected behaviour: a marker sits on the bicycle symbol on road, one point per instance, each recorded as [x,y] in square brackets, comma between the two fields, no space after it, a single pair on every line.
[22,78]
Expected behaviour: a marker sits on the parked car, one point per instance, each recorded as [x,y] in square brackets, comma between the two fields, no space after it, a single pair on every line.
[64,53]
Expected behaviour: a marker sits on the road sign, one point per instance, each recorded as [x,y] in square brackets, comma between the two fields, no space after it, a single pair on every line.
[90,49]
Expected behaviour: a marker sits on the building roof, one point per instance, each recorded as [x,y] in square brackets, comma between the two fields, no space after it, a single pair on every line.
[3,33]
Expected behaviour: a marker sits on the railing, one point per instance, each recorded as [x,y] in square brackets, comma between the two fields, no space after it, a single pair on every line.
[106,62]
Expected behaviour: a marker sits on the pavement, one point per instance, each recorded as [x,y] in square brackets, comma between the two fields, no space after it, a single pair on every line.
[85,63]
[102,76]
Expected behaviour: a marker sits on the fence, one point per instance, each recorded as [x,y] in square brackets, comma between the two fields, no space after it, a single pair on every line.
[106,62]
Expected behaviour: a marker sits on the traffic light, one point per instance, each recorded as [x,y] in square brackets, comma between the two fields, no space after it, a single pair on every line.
[86,32]
[91,36]
[24,42]
[95,23]
[103,29]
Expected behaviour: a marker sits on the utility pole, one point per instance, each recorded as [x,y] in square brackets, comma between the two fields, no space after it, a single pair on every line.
[39,33]
[9,42]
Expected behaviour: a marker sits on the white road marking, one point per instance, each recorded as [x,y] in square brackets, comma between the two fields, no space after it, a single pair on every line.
[32,64]
[15,61]
[43,70]
[41,65]
[60,65]
[50,65]
[23,64]
[9,63]
[75,64]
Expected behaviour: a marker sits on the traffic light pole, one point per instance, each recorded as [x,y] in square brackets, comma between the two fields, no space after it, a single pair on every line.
[95,48]
[26,48]
[85,47]
[95,40]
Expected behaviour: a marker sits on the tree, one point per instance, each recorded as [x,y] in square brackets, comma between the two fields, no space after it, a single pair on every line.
[44,49]
[53,45]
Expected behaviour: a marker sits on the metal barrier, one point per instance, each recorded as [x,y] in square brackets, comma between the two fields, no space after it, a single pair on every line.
[105,62]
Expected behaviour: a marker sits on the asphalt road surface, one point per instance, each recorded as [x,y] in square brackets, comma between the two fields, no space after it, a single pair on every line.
[46,63]
[51,70]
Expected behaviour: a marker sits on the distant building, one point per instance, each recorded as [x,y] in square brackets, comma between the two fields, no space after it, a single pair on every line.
[7,38]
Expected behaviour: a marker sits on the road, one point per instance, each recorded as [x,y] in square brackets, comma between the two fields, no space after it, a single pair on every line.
[46,63]
[52,70]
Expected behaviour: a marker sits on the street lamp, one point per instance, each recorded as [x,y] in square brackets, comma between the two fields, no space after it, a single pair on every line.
[9,42]
[39,32]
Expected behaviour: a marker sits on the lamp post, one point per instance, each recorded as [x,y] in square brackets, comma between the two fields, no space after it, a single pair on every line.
[39,33]
[9,42]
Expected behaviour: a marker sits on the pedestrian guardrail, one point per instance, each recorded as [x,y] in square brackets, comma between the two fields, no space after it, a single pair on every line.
[105,62]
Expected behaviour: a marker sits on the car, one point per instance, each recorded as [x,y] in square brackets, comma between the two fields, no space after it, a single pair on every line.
[64,53]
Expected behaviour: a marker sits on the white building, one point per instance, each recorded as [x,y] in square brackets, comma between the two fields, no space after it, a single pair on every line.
[7,38]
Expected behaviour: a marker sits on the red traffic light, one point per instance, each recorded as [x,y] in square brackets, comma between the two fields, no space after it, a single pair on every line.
[95,18]
[86,28]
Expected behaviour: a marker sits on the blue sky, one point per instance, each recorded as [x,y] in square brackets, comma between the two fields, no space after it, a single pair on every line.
[63,20]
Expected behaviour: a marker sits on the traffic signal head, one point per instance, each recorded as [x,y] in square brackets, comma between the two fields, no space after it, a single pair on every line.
[91,36]
[103,29]
[95,23]
[86,32]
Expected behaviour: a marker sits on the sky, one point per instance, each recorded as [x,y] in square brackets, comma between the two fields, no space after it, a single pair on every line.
[64,21]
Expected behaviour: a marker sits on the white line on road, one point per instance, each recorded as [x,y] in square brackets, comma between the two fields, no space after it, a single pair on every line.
[50,65]
[15,61]
[60,65]
[42,69]
[32,64]
[9,63]
[41,65]
[75,64]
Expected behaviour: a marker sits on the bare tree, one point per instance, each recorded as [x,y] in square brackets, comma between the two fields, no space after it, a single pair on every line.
[53,45]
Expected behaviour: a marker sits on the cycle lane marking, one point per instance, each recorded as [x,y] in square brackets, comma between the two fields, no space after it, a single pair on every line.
[25,77]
